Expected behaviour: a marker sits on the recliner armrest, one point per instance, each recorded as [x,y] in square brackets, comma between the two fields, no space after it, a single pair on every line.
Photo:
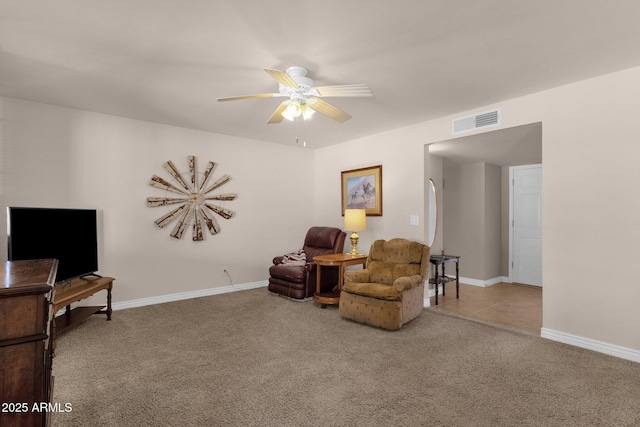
[358,276]
[402,284]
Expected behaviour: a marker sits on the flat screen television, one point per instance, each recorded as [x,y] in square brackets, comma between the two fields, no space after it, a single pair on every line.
[69,235]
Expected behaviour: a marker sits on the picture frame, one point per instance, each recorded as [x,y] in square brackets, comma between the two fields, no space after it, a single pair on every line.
[362,189]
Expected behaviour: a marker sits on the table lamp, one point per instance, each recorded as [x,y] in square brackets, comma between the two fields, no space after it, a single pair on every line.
[355,220]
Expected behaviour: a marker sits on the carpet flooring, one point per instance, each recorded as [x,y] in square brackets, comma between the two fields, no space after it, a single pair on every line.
[251,358]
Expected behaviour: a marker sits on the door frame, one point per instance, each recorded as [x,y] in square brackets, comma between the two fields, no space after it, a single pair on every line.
[511,243]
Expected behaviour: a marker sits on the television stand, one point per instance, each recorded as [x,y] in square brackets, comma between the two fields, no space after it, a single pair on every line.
[75,290]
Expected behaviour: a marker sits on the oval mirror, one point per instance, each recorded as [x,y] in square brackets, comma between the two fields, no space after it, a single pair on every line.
[433,212]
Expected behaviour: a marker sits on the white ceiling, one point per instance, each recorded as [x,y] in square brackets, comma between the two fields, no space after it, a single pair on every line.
[167,61]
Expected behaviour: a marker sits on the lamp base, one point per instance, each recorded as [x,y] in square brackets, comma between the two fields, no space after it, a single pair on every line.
[354,244]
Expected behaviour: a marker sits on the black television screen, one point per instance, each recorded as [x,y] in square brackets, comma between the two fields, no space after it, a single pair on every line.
[69,235]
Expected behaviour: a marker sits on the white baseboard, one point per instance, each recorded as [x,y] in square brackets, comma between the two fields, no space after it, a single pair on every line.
[186,295]
[485,283]
[474,282]
[589,344]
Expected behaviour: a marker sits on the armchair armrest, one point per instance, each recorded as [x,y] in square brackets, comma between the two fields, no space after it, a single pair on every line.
[402,284]
[358,276]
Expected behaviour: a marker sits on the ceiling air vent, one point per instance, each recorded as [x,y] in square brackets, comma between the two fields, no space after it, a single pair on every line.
[477,121]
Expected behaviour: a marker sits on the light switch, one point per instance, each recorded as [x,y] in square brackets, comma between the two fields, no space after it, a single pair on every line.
[414,220]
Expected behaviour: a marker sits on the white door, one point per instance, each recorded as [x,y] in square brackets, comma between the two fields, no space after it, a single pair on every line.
[526,224]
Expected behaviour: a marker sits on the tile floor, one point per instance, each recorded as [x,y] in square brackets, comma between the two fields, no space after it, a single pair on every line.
[515,305]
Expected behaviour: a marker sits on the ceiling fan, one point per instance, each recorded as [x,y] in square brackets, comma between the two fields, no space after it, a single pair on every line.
[304,97]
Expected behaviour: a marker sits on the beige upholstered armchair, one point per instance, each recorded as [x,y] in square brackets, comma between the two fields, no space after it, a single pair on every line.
[389,292]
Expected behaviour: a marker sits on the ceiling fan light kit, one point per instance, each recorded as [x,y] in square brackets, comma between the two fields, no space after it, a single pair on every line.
[304,97]
[297,108]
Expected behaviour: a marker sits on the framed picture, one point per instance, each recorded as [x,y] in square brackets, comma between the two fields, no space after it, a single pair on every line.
[362,189]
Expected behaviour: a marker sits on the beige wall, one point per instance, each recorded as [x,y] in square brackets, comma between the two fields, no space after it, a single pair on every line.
[504,227]
[464,217]
[591,230]
[492,222]
[472,204]
[59,157]
[401,155]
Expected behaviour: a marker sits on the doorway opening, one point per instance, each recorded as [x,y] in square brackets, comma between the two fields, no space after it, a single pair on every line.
[472,175]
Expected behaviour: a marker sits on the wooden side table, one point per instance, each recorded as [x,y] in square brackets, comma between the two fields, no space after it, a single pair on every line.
[341,261]
[441,260]
[78,289]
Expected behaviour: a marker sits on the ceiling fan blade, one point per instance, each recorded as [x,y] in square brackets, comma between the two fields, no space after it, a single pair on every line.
[328,110]
[344,90]
[260,95]
[277,116]
[282,78]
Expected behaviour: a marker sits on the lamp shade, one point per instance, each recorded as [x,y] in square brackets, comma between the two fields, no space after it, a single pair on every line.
[307,111]
[355,219]
[292,111]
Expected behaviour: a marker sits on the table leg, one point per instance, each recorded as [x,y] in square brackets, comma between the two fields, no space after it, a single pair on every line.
[436,284]
[457,280]
[109,303]
[444,282]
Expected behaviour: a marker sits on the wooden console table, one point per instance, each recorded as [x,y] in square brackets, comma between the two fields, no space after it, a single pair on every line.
[341,261]
[441,260]
[76,290]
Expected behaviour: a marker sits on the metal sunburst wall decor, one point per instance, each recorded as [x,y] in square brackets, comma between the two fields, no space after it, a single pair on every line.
[196,205]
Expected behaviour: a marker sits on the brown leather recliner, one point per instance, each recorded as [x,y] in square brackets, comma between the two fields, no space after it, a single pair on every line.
[299,281]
